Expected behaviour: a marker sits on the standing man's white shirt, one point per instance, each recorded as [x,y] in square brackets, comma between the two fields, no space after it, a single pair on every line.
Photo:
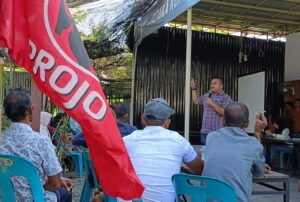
[157,154]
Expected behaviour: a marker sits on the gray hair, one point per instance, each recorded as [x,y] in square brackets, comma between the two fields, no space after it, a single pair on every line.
[16,103]
[236,114]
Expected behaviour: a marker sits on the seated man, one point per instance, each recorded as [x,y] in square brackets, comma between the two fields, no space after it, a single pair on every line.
[20,140]
[121,111]
[157,153]
[232,155]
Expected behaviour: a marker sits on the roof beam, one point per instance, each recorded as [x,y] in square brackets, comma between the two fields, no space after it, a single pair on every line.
[181,19]
[220,14]
[292,1]
[223,26]
[240,5]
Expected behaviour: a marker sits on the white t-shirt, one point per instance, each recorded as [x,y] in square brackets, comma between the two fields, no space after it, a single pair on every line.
[157,154]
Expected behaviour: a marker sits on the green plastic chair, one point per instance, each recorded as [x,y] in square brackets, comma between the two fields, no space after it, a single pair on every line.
[16,166]
[201,188]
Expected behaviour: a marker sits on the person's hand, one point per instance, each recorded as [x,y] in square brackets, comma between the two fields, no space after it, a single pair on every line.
[260,122]
[193,84]
[69,137]
[97,196]
[67,183]
[209,101]
[267,169]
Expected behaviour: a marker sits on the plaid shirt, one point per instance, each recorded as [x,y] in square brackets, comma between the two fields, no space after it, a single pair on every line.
[212,120]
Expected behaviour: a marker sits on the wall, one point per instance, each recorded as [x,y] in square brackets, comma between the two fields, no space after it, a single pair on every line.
[160,70]
[296,86]
[292,57]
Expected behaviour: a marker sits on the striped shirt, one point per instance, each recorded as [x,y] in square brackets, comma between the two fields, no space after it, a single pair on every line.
[212,120]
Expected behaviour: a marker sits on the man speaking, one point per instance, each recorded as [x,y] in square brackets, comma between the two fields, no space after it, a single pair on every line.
[214,102]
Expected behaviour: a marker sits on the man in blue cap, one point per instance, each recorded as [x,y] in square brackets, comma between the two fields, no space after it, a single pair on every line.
[158,153]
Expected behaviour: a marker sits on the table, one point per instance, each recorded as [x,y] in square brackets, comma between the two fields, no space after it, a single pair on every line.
[269,141]
[267,181]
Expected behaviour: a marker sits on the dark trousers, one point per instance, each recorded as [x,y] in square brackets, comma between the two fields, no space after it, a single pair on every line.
[63,195]
[203,138]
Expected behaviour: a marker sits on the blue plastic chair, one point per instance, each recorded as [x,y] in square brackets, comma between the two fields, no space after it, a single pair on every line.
[69,152]
[15,166]
[76,161]
[111,199]
[201,188]
[90,183]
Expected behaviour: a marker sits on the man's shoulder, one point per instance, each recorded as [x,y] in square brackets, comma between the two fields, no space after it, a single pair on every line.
[161,131]
[226,96]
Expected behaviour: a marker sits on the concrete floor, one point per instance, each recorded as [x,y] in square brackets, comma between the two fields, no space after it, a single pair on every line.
[294,194]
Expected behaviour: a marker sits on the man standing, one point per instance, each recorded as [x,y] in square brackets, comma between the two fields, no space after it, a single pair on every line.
[234,156]
[157,153]
[20,140]
[213,103]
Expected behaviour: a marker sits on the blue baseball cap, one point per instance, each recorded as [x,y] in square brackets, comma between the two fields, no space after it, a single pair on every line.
[157,110]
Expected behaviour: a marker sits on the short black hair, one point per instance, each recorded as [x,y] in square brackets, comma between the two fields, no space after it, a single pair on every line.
[236,114]
[16,103]
[219,78]
[120,108]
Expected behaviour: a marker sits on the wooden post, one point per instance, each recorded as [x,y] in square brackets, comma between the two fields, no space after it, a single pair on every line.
[188,63]
[36,97]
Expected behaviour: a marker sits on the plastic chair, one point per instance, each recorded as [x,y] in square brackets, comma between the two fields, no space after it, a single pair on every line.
[69,152]
[282,157]
[15,166]
[111,199]
[91,181]
[76,161]
[201,188]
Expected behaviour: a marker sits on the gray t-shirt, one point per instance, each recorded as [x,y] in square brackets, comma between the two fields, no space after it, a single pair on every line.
[233,156]
[20,140]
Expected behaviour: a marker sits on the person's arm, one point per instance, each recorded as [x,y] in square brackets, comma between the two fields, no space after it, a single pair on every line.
[260,123]
[194,92]
[53,183]
[215,106]
[196,165]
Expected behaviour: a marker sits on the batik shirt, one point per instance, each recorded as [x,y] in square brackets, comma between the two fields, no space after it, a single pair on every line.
[212,120]
[20,140]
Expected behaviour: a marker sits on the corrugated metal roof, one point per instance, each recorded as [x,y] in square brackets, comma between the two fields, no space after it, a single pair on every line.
[269,17]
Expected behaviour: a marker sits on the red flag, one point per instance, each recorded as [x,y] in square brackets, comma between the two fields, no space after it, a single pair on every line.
[41,36]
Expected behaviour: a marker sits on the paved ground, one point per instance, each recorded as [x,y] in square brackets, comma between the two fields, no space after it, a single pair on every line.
[294,194]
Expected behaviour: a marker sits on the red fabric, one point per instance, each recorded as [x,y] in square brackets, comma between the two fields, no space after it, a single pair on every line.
[42,37]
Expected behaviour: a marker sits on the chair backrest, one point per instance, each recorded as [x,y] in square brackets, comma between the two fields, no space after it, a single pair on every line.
[88,163]
[201,188]
[111,199]
[15,166]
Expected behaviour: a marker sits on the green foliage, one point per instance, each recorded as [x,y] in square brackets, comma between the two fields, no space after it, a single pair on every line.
[5,123]
[97,35]
[115,74]
[62,136]
[78,15]
[114,67]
